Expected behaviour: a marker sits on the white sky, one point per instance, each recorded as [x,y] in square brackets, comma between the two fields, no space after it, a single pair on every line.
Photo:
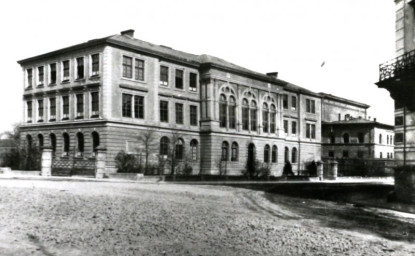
[292,37]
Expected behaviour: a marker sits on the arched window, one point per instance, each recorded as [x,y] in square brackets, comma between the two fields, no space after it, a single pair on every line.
[253,116]
[266,154]
[346,138]
[80,142]
[294,155]
[179,149]
[193,149]
[265,115]
[245,114]
[95,141]
[274,154]
[361,137]
[222,110]
[272,119]
[29,141]
[40,140]
[380,138]
[332,138]
[234,153]
[225,151]
[232,112]
[66,144]
[53,141]
[286,154]
[164,146]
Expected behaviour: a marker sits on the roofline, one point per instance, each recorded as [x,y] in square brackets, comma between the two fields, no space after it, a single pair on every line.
[90,43]
[372,123]
[344,100]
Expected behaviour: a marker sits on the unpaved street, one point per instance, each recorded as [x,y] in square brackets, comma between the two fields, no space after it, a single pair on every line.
[100,218]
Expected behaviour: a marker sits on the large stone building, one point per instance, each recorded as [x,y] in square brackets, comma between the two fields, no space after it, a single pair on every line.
[398,77]
[108,91]
[347,131]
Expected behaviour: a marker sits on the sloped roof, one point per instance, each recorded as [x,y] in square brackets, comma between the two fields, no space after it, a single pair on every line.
[340,99]
[172,54]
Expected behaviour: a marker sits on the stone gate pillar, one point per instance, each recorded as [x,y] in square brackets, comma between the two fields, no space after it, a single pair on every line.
[46,161]
[320,170]
[100,157]
[332,170]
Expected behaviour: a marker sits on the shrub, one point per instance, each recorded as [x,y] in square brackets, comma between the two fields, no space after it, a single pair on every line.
[22,158]
[127,163]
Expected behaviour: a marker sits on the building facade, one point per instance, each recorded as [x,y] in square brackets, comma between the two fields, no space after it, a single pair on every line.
[109,91]
[398,77]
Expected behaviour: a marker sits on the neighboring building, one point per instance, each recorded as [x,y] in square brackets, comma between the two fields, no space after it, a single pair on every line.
[357,138]
[398,77]
[107,91]
[335,108]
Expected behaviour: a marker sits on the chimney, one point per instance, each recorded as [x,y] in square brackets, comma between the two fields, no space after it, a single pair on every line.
[129,33]
[273,74]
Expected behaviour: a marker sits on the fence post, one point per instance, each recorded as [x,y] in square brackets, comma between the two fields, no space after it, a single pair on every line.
[320,170]
[333,165]
[100,158]
[46,161]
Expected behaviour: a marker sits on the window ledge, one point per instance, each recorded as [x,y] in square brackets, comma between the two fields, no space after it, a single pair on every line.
[79,117]
[65,81]
[94,116]
[82,79]
[52,120]
[40,86]
[52,84]
[65,118]
[28,88]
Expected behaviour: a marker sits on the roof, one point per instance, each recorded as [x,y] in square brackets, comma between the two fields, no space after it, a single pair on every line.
[164,52]
[344,100]
[360,121]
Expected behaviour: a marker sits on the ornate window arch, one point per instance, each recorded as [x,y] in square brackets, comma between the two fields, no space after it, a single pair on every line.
[294,155]
[266,153]
[164,146]
[66,144]
[274,154]
[222,110]
[193,149]
[225,151]
[40,140]
[179,149]
[253,115]
[265,117]
[227,107]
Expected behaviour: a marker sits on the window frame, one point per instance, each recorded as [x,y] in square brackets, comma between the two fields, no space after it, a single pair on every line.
[94,104]
[164,111]
[193,115]
[127,67]
[179,112]
[179,80]
[66,78]
[92,70]
[191,80]
[52,115]
[80,114]
[40,75]
[65,107]
[80,69]
[234,152]
[40,110]
[164,75]
[53,75]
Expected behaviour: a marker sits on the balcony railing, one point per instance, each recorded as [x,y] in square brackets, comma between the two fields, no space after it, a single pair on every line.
[400,66]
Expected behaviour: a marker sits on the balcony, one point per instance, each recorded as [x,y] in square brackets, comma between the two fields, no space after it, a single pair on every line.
[397,68]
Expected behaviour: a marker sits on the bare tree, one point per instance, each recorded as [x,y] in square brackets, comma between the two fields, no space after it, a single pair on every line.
[148,140]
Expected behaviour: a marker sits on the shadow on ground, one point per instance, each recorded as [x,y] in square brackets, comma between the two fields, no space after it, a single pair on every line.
[340,214]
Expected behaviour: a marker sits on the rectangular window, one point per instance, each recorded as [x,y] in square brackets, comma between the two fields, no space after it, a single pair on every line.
[80,68]
[193,82]
[272,123]
[127,67]
[179,113]
[286,126]
[398,137]
[52,68]
[345,154]
[285,101]
[310,106]
[179,79]
[95,64]
[127,105]
[399,120]
[164,75]
[253,120]
[40,111]
[139,107]
[232,116]
[245,118]
[265,121]
[29,78]
[94,104]
[310,131]
[29,111]
[331,153]
[293,102]
[79,106]
[65,107]
[164,111]
[139,70]
[41,75]
[193,115]
[52,109]
[66,70]
[293,127]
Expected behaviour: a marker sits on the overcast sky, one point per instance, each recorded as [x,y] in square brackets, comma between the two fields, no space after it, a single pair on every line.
[291,37]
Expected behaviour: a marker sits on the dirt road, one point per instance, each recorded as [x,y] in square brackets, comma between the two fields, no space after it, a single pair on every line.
[93,218]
